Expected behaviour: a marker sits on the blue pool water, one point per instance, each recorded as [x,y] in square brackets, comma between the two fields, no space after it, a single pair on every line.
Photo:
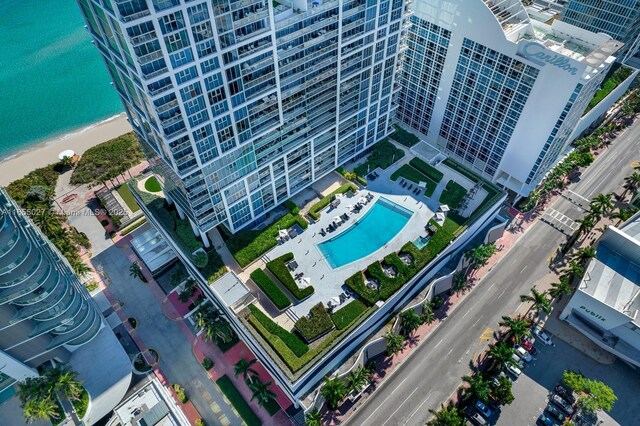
[373,230]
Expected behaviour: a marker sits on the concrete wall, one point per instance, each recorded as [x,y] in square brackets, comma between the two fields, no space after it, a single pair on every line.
[603,106]
[495,233]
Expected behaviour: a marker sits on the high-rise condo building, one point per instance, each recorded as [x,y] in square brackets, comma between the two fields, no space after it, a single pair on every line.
[496,89]
[618,18]
[241,103]
[47,316]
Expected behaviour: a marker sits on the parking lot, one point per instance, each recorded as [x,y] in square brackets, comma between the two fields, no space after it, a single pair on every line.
[532,389]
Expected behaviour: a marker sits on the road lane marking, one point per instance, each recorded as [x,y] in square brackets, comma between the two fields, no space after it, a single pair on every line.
[467,313]
[385,400]
[400,406]
[419,407]
[477,321]
[438,344]
[525,267]
[491,286]
[450,350]
[502,294]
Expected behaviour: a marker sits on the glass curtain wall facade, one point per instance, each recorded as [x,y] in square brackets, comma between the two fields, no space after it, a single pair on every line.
[45,311]
[241,104]
[618,18]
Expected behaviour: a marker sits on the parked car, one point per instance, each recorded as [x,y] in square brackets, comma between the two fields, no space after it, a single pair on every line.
[517,361]
[564,405]
[565,393]
[513,370]
[522,353]
[555,413]
[528,345]
[502,374]
[483,409]
[543,420]
[542,336]
[475,417]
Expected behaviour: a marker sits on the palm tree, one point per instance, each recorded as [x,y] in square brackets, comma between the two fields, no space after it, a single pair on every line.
[500,353]
[40,409]
[136,271]
[261,392]
[573,270]
[410,321]
[313,418]
[584,254]
[219,330]
[602,202]
[632,183]
[459,282]
[478,388]
[501,390]
[64,381]
[243,367]
[427,316]
[47,221]
[447,416]
[395,343]
[539,301]
[359,378]
[334,391]
[516,327]
[559,289]
[31,388]
[480,255]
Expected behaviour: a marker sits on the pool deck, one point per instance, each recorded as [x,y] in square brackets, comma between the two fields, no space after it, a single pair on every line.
[328,282]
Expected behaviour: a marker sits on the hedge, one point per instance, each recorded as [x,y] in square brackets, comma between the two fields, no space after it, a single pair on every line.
[291,206]
[324,202]
[270,288]
[348,313]
[356,284]
[133,227]
[608,85]
[453,194]
[247,246]
[215,267]
[233,395]
[293,362]
[317,324]
[403,137]
[279,269]
[383,154]
[427,169]
[293,342]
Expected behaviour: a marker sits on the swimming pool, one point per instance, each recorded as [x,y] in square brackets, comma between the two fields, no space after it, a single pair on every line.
[373,230]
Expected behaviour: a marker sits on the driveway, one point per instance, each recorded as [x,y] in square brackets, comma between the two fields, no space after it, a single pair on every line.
[532,389]
[169,338]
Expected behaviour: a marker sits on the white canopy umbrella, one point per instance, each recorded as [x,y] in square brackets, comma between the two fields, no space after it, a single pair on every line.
[349,207]
[306,281]
[66,153]
[282,233]
[335,300]
[362,200]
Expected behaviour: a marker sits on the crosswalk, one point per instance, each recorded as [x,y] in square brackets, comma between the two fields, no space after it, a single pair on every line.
[560,221]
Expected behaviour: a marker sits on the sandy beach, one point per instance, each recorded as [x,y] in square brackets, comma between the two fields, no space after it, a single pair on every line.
[47,152]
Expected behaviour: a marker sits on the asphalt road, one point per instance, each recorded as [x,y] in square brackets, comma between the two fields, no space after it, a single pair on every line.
[433,372]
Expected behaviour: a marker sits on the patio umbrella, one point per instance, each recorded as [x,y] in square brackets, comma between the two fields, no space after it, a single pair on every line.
[349,207]
[335,300]
[336,219]
[306,281]
[362,200]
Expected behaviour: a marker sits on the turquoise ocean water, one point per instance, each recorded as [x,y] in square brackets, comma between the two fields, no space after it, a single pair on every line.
[52,80]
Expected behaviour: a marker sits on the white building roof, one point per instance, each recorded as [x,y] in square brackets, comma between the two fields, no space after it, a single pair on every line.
[153,249]
[230,289]
[613,277]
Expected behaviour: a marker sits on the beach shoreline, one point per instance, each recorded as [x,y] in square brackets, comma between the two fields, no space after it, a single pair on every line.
[44,153]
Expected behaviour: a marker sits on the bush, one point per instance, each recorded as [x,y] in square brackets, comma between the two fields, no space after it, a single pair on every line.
[133,227]
[185,233]
[107,160]
[207,363]
[291,206]
[362,181]
[403,137]
[383,154]
[453,194]
[200,422]
[428,170]
[200,259]
[233,395]
[344,316]
[325,201]
[609,85]
[91,286]
[279,269]
[273,292]
[45,177]
[293,342]
[180,393]
[317,324]
[81,404]
[104,222]
[247,246]
[214,268]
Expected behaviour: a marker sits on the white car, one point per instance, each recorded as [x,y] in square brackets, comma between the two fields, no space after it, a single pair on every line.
[513,370]
[542,336]
[517,361]
[522,353]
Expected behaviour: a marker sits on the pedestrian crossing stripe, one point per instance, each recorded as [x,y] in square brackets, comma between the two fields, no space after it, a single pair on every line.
[486,335]
[224,420]
[215,407]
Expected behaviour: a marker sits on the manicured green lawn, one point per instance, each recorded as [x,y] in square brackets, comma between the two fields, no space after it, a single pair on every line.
[233,395]
[383,154]
[427,169]
[126,195]
[409,173]
[403,137]
[271,289]
[152,185]
[348,313]
[453,194]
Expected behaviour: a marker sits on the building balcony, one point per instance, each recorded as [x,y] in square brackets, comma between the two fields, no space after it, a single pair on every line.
[132,17]
[143,38]
[167,106]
